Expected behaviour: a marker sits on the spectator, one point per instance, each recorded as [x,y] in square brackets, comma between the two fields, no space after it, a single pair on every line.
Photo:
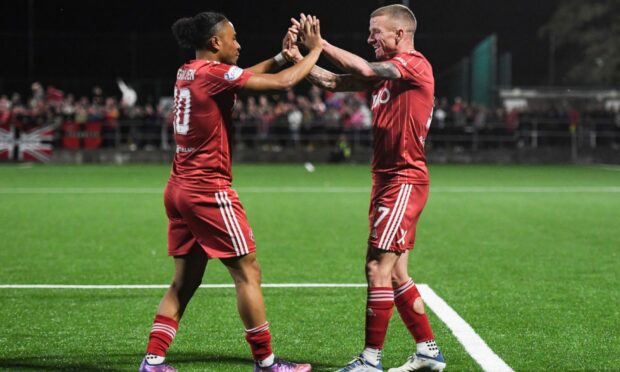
[440,114]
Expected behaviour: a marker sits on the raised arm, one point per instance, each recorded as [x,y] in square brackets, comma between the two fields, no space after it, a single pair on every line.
[328,80]
[319,76]
[356,65]
[350,62]
[267,66]
[287,78]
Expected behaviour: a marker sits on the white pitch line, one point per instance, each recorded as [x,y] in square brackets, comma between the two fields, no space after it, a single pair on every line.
[464,333]
[609,167]
[156,286]
[268,190]
[527,189]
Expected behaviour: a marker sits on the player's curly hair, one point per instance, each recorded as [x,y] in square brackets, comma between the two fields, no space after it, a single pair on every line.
[195,32]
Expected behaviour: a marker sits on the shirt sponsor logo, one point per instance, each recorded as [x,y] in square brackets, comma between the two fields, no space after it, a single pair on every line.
[382,97]
[233,73]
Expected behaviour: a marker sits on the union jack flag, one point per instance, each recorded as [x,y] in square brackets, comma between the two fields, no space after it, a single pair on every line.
[7,143]
[32,145]
[35,144]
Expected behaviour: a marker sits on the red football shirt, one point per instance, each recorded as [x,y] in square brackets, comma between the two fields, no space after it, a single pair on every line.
[204,96]
[402,111]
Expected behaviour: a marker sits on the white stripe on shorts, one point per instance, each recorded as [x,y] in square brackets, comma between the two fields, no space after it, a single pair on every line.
[241,238]
[389,223]
[224,213]
[402,211]
[396,218]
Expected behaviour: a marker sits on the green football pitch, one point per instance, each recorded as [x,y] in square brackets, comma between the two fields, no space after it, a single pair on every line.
[528,256]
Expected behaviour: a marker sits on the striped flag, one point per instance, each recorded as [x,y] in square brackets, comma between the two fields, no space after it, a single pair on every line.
[7,143]
[35,144]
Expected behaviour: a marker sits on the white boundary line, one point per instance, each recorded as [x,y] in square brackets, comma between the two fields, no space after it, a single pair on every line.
[158,286]
[267,190]
[609,167]
[464,333]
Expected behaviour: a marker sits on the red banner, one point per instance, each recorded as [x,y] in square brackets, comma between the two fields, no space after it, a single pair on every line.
[76,136]
[92,139]
[71,135]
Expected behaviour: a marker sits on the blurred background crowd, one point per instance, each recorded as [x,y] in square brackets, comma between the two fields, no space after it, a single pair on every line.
[309,119]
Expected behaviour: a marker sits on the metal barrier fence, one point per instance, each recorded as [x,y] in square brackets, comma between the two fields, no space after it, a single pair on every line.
[156,134]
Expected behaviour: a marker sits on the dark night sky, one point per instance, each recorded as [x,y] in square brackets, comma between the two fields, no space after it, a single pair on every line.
[89,40]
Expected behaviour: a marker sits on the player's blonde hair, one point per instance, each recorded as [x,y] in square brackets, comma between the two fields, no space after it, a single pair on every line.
[399,13]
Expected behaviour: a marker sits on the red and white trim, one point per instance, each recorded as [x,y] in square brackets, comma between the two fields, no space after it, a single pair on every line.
[258,329]
[396,217]
[164,328]
[232,224]
[403,288]
[379,295]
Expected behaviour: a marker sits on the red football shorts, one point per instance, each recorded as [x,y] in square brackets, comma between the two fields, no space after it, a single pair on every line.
[393,215]
[215,221]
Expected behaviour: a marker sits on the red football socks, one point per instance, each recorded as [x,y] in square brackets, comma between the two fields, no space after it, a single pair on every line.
[379,307]
[163,332]
[417,324]
[259,339]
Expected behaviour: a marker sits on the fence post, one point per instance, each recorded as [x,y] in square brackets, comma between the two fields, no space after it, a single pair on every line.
[573,143]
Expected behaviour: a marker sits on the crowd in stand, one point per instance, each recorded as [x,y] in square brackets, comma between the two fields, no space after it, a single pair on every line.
[275,120]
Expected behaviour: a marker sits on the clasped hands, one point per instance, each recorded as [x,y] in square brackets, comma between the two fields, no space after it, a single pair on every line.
[307,32]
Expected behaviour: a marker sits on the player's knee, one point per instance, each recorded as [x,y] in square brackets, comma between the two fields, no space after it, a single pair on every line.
[252,270]
[418,305]
[372,269]
[185,288]
[377,275]
[247,272]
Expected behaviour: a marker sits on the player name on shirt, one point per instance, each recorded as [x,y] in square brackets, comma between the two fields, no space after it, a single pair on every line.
[184,74]
[185,149]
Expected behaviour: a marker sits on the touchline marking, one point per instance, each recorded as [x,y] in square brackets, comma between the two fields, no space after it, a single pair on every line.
[156,286]
[609,167]
[268,190]
[464,333]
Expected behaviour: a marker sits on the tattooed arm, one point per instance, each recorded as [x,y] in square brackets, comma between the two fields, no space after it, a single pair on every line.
[350,62]
[357,65]
[328,80]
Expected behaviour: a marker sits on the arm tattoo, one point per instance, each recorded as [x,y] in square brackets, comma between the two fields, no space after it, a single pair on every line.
[322,78]
[334,82]
[385,70]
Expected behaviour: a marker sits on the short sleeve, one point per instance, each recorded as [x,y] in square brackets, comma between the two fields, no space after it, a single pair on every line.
[223,77]
[413,68]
